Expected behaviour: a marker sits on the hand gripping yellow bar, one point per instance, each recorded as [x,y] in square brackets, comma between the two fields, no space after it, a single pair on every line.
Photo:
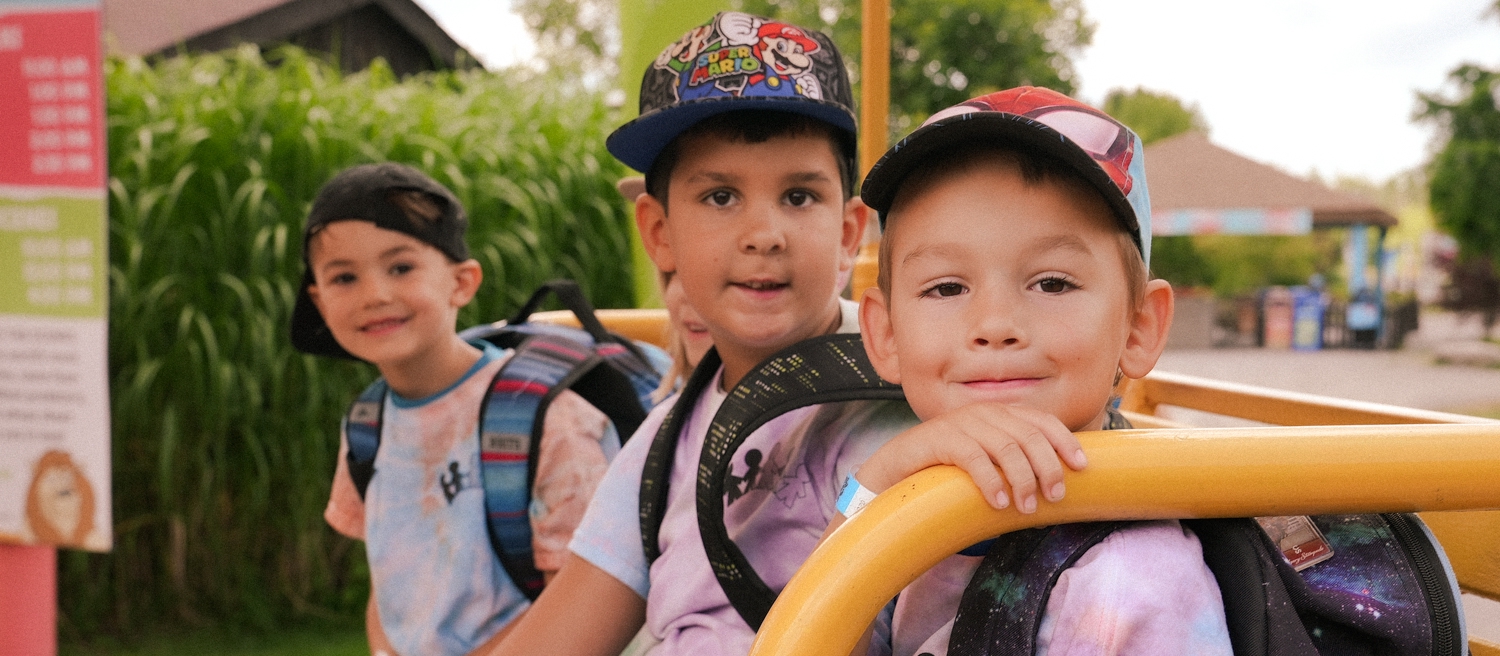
[1132,474]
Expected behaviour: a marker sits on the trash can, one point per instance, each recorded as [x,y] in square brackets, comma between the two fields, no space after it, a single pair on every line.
[1363,319]
[1307,319]
[1278,312]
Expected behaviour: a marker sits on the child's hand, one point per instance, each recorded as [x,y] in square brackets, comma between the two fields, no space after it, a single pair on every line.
[1028,446]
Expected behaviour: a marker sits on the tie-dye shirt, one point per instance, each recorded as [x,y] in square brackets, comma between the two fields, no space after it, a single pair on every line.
[782,491]
[438,585]
[1143,591]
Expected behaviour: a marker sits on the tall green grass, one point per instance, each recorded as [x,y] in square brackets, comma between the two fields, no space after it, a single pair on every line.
[224,437]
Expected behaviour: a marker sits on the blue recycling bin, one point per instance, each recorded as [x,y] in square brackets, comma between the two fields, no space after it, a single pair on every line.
[1307,319]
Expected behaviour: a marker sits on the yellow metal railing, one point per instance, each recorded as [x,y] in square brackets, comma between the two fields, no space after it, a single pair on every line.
[1139,474]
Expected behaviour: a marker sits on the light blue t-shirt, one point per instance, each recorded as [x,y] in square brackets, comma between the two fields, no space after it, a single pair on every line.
[439,587]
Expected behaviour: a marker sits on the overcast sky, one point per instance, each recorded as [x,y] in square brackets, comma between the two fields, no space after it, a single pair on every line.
[1325,85]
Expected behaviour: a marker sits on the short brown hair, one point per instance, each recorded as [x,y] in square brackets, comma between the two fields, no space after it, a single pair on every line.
[754,126]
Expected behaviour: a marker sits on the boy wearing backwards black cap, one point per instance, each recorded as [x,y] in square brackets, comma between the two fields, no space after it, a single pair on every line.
[385,272]
[1013,293]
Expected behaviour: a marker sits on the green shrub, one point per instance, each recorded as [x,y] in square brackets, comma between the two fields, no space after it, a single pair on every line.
[224,437]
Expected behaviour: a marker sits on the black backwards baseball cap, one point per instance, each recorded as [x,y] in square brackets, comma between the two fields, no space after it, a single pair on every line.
[733,62]
[382,194]
[1102,150]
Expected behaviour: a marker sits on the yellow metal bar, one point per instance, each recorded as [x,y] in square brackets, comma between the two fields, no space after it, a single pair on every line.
[874,122]
[1271,406]
[874,81]
[644,325]
[1132,474]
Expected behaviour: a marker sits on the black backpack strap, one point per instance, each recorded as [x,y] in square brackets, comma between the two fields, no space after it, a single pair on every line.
[657,472]
[362,425]
[1002,606]
[825,369]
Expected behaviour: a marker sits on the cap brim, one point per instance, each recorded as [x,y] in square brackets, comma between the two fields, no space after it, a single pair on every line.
[638,142]
[310,334]
[881,185]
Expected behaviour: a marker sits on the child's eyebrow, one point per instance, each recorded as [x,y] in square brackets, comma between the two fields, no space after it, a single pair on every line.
[1049,243]
[1063,242]
[804,177]
[385,255]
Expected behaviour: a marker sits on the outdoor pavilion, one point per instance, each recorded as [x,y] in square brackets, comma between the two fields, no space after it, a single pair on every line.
[1200,188]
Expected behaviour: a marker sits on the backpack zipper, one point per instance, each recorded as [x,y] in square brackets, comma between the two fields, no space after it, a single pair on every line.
[1440,604]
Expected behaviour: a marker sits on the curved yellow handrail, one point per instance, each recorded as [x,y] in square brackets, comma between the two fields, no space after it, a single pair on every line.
[646,325]
[1132,474]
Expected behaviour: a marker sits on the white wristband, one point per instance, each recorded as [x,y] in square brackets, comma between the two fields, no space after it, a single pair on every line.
[854,497]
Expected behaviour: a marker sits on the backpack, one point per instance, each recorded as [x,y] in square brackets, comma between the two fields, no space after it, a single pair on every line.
[1272,609]
[612,373]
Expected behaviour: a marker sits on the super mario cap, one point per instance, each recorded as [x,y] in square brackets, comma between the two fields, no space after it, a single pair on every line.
[392,196]
[735,61]
[1105,152]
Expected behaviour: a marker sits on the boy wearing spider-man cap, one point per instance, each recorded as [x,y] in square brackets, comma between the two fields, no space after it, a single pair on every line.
[1013,294]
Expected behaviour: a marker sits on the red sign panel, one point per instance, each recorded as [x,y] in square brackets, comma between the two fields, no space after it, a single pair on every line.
[51,133]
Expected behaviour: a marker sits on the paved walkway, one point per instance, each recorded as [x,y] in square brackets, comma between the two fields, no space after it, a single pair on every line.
[1409,377]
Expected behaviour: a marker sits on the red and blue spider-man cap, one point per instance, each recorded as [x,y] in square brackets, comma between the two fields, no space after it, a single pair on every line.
[735,61]
[1102,150]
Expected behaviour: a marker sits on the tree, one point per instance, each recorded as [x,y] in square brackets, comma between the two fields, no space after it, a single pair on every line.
[1153,115]
[1466,172]
[944,52]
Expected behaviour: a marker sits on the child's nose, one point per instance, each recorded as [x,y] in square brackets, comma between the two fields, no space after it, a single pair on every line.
[993,322]
[763,235]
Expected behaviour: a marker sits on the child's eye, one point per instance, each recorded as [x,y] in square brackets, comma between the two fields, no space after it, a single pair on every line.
[800,198]
[944,289]
[401,268]
[342,279]
[720,198]
[1054,285]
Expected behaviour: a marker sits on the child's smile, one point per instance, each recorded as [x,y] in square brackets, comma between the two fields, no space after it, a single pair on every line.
[389,298]
[758,234]
[1018,302]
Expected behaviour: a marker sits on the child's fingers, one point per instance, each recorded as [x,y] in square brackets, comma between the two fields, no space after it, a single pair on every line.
[980,465]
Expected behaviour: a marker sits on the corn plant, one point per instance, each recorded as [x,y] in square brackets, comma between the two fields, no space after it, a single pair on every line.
[225,438]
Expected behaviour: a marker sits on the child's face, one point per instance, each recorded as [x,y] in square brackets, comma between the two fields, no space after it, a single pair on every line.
[687,322]
[758,234]
[388,297]
[1002,291]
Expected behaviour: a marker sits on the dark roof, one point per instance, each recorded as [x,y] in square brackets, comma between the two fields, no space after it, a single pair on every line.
[1187,172]
[399,30]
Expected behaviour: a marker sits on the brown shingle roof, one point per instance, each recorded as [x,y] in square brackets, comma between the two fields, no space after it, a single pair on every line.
[1189,172]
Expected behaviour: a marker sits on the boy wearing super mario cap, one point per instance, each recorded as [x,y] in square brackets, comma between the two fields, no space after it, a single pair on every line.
[1013,294]
[386,270]
[746,137]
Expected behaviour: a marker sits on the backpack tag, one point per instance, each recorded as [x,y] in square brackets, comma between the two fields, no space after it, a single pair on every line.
[1300,541]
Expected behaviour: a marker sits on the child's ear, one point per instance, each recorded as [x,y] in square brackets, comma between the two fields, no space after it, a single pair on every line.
[856,216]
[879,335]
[468,274]
[312,295]
[1148,330]
[651,223]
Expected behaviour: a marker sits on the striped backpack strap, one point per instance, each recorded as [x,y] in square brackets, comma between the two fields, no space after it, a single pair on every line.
[510,434]
[362,425]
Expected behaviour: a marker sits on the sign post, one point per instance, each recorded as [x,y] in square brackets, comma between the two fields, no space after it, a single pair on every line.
[54,393]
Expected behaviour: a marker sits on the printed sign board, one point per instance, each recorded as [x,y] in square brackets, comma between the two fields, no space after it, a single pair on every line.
[54,392]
